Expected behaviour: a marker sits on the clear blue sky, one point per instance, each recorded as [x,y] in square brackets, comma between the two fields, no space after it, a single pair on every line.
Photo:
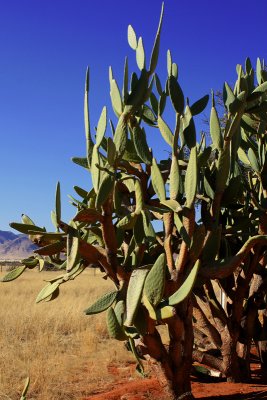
[45,47]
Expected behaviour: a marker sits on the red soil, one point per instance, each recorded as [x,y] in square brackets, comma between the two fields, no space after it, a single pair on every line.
[153,388]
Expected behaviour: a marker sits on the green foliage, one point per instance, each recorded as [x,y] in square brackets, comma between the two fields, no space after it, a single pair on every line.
[157,180]
[155,50]
[134,293]
[103,303]
[155,281]
[178,296]
[14,274]
[47,291]
[215,128]
[26,228]
[165,131]
[140,144]
[163,230]
[190,185]
[114,329]
[176,95]
[132,40]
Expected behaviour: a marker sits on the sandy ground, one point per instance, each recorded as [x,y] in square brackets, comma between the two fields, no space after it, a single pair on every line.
[153,388]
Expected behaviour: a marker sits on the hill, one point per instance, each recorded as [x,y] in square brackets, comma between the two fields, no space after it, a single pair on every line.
[7,236]
[15,247]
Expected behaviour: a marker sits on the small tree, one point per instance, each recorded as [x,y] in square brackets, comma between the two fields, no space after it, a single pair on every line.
[118,224]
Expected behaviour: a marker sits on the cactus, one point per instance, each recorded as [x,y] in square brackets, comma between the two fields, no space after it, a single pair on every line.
[170,276]
[25,389]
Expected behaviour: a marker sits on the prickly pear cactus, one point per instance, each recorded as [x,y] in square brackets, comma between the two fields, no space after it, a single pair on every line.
[161,228]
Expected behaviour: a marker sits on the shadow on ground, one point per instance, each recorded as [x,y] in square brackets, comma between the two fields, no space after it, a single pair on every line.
[240,396]
[258,383]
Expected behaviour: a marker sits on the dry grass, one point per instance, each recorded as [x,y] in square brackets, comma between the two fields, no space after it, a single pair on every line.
[65,353]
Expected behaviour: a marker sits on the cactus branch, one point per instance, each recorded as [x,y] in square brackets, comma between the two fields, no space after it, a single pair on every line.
[168,225]
[189,224]
[224,270]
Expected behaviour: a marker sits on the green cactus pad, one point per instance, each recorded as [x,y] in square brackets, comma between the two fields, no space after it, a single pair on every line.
[81,192]
[127,222]
[191,178]
[169,62]
[174,178]
[155,281]
[176,95]
[48,290]
[25,228]
[81,161]
[30,262]
[199,105]
[253,160]
[47,236]
[51,249]
[215,129]
[132,40]
[27,220]
[116,98]
[172,205]
[120,136]
[165,312]
[101,126]
[261,88]
[58,204]
[140,144]
[149,231]
[186,287]
[111,151]
[138,230]
[103,303]
[175,70]
[165,131]
[155,50]
[140,54]
[189,129]
[223,169]
[95,172]
[138,93]
[139,200]
[119,310]
[140,321]
[157,180]
[115,331]
[14,274]
[105,188]
[72,248]
[134,293]
[53,296]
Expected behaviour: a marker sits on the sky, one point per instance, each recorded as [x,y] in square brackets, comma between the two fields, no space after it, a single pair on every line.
[45,47]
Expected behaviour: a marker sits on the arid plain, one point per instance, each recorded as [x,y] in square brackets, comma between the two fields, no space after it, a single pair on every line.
[69,355]
[65,353]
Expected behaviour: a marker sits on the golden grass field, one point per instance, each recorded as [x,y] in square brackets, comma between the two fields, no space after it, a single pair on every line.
[65,353]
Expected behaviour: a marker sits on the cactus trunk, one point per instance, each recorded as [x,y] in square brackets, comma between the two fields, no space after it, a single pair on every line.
[181,346]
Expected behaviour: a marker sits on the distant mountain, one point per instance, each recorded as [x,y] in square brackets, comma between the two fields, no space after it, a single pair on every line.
[15,247]
[6,236]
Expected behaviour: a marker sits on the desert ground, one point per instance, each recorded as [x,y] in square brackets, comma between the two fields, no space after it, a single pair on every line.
[68,355]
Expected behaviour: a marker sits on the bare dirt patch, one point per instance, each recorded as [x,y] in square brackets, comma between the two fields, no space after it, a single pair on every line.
[125,388]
